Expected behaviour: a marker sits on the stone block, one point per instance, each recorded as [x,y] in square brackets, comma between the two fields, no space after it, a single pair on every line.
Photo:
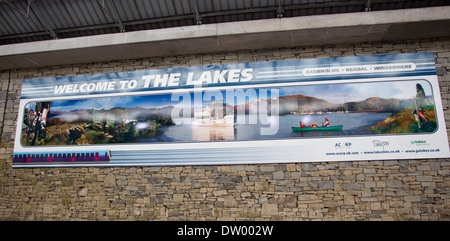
[290,201]
[394,183]
[308,167]
[110,180]
[266,168]
[269,209]
[326,185]
[351,186]
[349,200]
[178,198]
[219,192]
[229,201]
[83,192]
[47,208]
[278,175]
[424,178]
[412,198]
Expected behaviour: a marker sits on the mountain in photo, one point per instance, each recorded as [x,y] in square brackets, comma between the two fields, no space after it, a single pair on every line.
[302,104]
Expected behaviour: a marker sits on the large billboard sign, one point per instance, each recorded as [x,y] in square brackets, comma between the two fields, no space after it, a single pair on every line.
[327,109]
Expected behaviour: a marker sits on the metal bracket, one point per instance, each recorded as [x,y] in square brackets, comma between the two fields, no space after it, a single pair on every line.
[114,15]
[194,8]
[280,9]
[368,7]
[39,19]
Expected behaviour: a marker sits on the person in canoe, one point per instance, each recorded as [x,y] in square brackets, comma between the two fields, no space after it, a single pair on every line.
[420,103]
[326,123]
[302,125]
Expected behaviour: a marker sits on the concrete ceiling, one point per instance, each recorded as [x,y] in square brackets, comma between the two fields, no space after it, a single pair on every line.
[38,20]
[391,25]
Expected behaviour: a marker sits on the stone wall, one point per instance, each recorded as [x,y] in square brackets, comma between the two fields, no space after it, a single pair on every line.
[357,190]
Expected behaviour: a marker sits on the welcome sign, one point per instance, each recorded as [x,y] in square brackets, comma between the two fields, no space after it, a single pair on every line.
[329,109]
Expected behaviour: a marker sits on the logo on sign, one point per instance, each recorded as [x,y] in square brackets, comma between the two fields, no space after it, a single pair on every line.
[343,145]
[382,144]
[420,143]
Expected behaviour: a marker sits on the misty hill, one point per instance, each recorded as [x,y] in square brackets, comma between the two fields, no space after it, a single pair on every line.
[289,104]
[303,104]
[307,104]
[374,104]
[116,114]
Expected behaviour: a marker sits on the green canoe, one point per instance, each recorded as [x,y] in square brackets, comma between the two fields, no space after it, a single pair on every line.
[325,128]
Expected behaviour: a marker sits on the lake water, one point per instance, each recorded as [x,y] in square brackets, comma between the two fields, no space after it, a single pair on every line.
[352,125]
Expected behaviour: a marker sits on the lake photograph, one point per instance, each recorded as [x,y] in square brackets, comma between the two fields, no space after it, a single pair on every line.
[303,111]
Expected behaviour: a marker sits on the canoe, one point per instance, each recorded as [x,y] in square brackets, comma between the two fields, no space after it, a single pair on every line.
[319,128]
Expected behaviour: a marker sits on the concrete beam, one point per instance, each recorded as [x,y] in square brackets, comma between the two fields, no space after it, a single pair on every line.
[258,34]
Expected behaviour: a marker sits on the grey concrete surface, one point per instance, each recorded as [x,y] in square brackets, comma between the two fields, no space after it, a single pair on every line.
[390,25]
